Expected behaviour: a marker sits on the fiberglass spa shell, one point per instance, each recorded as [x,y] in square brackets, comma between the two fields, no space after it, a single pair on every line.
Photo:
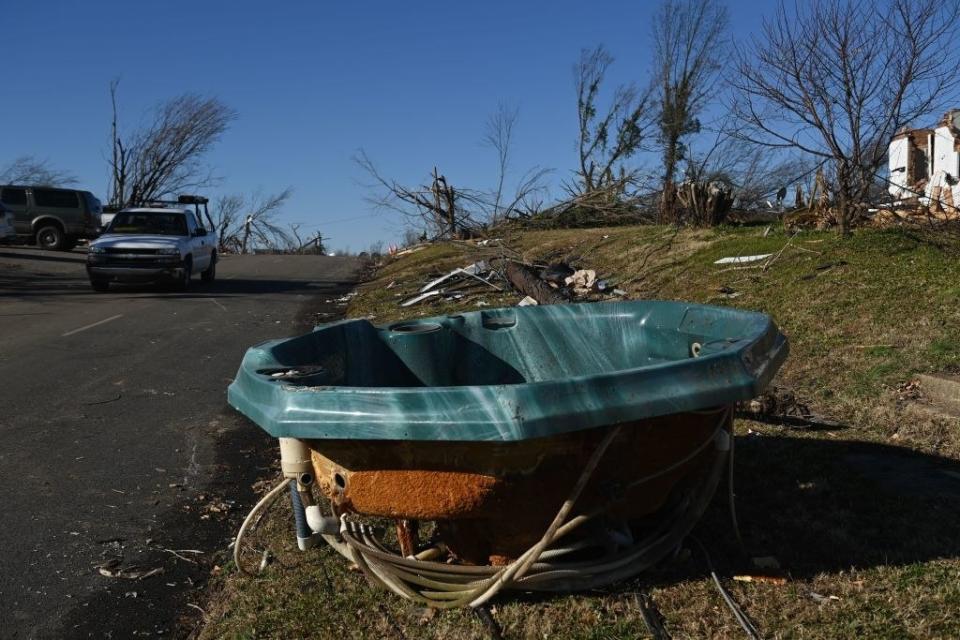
[482,421]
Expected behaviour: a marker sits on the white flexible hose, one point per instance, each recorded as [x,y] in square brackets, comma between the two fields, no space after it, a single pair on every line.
[445,586]
[442,585]
[265,502]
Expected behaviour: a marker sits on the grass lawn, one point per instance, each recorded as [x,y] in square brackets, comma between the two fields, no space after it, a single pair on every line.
[862,516]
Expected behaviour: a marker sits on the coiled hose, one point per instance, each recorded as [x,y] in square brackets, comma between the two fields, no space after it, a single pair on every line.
[444,585]
[540,568]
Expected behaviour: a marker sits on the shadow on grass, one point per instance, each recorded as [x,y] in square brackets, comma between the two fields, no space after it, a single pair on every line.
[827,505]
[822,506]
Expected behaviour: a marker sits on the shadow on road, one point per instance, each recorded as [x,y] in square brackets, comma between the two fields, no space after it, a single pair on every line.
[31,284]
[53,256]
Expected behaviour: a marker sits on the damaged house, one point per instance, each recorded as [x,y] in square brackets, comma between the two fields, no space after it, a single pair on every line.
[925,163]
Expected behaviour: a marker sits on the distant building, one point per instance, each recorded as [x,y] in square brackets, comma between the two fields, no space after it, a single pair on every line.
[919,155]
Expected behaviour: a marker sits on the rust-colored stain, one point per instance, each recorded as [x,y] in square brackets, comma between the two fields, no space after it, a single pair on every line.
[491,501]
[417,495]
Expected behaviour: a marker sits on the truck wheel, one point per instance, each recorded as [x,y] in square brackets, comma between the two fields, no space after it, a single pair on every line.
[184,282]
[99,285]
[211,273]
[51,237]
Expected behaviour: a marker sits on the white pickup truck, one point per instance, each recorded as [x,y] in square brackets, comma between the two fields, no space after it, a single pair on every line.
[155,243]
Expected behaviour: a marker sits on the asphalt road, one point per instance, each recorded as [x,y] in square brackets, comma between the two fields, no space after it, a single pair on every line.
[117,448]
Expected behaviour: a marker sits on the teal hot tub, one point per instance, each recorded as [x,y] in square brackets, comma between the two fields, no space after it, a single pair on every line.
[506,374]
[482,422]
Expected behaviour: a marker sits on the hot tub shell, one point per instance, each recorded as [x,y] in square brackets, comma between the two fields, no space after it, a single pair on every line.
[481,422]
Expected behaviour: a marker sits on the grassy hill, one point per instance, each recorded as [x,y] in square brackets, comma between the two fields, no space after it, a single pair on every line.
[862,517]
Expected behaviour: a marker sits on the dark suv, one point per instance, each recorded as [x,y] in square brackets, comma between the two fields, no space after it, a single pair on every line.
[53,218]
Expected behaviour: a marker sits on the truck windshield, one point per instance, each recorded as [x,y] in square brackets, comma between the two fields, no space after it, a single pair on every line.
[157,224]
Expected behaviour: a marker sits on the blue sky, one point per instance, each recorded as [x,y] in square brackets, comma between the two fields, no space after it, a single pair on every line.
[412,83]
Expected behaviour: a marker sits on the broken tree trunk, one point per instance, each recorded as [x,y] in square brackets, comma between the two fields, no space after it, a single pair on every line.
[528,283]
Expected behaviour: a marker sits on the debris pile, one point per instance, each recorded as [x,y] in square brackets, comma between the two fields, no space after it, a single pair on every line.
[552,284]
[781,406]
[457,284]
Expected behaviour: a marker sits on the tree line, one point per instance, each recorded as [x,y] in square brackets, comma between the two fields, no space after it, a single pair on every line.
[822,87]
[165,157]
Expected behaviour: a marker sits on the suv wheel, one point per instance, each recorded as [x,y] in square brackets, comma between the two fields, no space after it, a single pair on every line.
[211,273]
[184,282]
[51,237]
[99,285]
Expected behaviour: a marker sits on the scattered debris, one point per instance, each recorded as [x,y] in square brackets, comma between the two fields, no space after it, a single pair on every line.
[823,599]
[393,251]
[761,579]
[742,259]
[652,618]
[557,273]
[112,569]
[456,280]
[419,298]
[527,302]
[473,270]
[485,614]
[526,281]
[177,553]
[582,281]
[781,406]
[910,390]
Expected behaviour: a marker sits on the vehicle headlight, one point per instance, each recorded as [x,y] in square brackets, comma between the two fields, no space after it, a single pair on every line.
[96,250]
[169,251]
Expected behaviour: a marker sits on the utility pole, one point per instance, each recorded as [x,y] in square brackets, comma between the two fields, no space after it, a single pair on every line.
[246,233]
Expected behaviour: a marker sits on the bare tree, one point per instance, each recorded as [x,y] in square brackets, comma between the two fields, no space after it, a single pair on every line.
[165,157]
[607,137]
[29,170]
[689,38]
[754,172]
[119,155]
[228,216]
[447,211]
[498,136]
[838,78]
[411,237]
[240,219]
